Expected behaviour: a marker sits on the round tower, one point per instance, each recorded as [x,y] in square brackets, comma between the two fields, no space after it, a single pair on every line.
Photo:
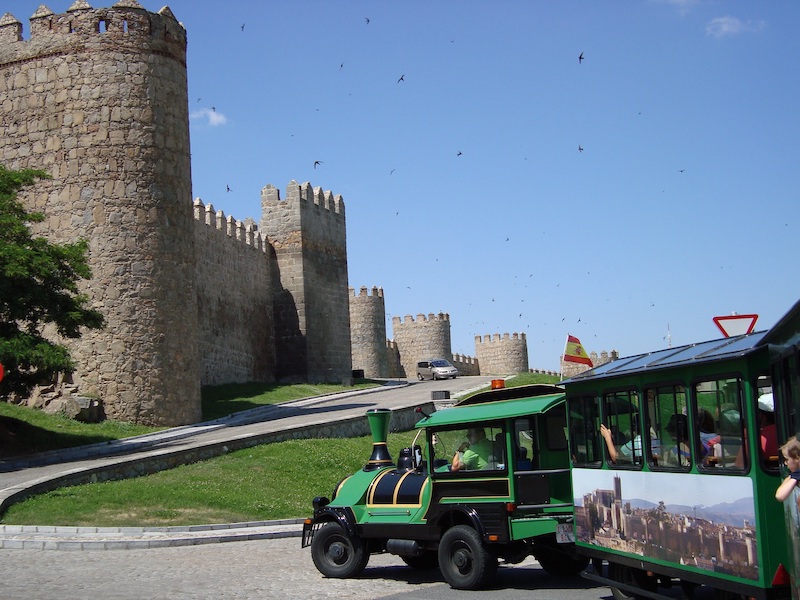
[98,99]
[502,355]
[426,338]
[368,332]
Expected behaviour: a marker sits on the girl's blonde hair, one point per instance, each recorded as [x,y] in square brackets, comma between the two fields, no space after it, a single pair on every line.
[792,448]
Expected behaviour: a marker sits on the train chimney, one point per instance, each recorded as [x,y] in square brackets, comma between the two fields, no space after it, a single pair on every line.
[379,426]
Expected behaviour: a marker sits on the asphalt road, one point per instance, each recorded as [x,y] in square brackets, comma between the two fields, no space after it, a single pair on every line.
[270,569]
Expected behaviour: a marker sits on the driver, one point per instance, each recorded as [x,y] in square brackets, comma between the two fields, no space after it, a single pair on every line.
[473,454]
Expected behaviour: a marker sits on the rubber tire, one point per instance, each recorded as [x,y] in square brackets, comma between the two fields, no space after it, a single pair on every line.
[465,562]
[559,564]
[426,562]
[337,555]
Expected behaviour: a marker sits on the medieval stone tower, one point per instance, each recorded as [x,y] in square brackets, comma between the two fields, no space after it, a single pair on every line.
[98,98]
[368,332]
[502,355]
[427,337]
[311,303]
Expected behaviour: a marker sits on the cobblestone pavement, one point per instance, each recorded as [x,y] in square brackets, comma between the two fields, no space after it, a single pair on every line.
[270,569]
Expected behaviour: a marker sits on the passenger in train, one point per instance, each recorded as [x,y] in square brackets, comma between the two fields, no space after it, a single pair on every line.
[768,432]
[474,453]
[631,451]
[679,455]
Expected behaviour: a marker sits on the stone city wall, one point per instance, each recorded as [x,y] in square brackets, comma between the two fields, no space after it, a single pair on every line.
[234,300]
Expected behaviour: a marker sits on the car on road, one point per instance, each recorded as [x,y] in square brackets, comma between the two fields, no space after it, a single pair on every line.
[438,368]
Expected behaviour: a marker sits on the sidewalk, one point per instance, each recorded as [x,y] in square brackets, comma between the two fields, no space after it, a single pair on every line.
[333,415]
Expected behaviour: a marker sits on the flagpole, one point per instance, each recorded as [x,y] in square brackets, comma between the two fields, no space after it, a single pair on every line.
[561,362]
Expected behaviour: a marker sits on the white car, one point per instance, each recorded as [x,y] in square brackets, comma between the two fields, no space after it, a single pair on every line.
[436,369]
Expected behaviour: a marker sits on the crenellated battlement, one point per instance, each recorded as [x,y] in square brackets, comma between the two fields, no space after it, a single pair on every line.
[421,318]
[496,337]
[237,230]
[305,197]
[377,292]
[82,27]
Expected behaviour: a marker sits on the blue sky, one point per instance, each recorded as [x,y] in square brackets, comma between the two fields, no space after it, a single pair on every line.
[464,186]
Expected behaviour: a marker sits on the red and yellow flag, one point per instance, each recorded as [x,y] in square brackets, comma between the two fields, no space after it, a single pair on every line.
[574,352]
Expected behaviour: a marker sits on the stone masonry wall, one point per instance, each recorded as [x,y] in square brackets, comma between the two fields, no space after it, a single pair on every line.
[421,339]
[234,300]
[502,355]
[368,332]
[311,299]
[98,98]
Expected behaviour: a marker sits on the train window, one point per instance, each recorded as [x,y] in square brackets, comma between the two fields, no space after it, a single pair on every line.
[722,399]
[767,429]
[479,448]
[669,435]
[524,446]
[584,425]
[622,417]
[555,423]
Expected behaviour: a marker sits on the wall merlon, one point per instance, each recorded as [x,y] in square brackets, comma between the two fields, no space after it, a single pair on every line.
[82,21]
[241,231]
[10,29]
[377,292]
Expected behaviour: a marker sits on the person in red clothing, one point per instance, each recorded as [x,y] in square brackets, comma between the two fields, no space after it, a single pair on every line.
[767,429]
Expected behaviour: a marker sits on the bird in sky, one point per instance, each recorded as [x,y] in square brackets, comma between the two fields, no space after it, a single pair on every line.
[580,148]
[459,153]
[214,109]
[580,58]
[317,162]
[228,188]
[367,20]
[402,78]
[242,26]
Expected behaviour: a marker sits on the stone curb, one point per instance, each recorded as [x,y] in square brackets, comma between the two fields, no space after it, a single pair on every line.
[37,537]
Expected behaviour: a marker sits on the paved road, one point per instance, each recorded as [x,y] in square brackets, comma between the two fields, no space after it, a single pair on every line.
[274,569]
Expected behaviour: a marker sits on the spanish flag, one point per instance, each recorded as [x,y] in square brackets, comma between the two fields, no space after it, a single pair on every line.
[574,352]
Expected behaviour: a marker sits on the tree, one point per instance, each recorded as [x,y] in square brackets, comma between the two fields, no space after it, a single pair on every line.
[38,286]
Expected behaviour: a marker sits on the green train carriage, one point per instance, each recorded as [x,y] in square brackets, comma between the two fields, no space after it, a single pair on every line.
[677,489]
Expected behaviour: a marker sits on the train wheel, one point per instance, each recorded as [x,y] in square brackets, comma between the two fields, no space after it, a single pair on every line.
[464,561]
[335,554]
[630,576]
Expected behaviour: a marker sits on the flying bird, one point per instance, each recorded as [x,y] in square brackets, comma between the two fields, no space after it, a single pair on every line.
[367,20]
[459,153]
[317,162]
[228,188]
[580,148]
[242,26]
[402,78]
[580,58]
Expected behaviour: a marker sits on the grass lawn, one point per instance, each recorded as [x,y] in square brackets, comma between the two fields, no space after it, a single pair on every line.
[272,481]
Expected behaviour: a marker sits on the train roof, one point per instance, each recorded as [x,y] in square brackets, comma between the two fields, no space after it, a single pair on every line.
[489,411]
[682,356]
